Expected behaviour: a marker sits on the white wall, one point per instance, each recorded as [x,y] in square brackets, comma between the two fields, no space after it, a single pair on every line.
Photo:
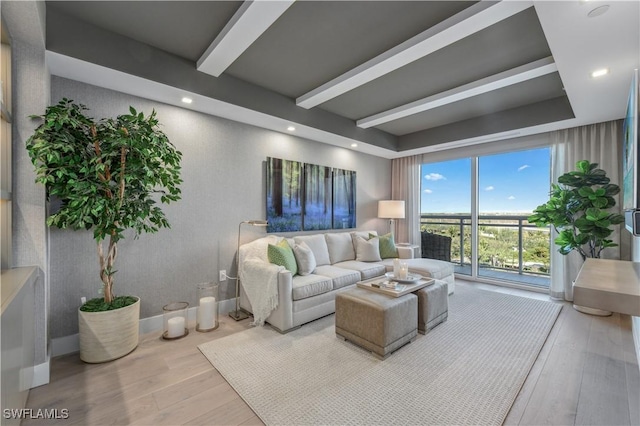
[224,184]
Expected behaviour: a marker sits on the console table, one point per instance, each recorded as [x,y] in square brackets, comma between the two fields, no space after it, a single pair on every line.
[612,285]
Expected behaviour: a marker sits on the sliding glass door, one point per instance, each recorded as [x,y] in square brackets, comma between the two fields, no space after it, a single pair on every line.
[482,204]
[446,207]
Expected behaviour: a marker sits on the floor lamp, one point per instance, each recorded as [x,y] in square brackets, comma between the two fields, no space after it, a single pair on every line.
[392,210]
[238,314]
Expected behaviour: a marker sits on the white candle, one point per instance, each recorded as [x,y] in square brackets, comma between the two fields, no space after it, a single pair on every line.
[175,327]
[207,313]
[404,270]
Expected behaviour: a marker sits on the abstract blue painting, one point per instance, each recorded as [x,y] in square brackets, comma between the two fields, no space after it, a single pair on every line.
[317,197]
[284,195]
[309,197]
[344,199]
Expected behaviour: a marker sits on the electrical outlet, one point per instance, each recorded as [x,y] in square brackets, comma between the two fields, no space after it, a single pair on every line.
[223,275]
[83,300]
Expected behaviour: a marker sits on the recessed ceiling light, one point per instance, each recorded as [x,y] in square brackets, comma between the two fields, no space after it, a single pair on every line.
[600,72]
[600,10]
[291,129]
[354,145]
[187,100]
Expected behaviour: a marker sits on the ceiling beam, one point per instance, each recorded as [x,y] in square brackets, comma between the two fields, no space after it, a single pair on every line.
[497,81]
[469,21]
[139,85]
[250,21]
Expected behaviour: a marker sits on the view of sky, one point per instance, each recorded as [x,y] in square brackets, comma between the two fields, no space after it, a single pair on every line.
[515,182]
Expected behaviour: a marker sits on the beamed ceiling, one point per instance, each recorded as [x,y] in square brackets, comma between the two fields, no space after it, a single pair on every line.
[395,77]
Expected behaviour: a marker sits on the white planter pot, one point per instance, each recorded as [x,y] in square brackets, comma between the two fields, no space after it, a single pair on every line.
[108,335]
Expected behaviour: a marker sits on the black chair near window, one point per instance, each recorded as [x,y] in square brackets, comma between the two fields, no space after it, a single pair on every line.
[435,246]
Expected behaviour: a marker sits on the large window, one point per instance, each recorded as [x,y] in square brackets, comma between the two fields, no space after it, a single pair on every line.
[482,203]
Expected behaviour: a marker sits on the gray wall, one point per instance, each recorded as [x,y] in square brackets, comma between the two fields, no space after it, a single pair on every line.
[25,22]
[224,184]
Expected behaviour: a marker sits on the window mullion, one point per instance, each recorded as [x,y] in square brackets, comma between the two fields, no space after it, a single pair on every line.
[474,217]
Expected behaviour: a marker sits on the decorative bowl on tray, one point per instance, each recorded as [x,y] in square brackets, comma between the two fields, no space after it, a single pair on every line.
[411,278]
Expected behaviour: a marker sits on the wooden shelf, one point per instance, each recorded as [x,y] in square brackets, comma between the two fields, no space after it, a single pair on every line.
[5,154]
[13,280]
[611,285]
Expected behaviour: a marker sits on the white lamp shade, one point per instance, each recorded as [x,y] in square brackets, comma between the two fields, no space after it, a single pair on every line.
[391,209]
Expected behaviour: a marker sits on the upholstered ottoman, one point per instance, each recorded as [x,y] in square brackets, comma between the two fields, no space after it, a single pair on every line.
[375,321]
[433,305]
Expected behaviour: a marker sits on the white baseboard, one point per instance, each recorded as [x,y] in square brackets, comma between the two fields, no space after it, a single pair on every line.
[41,374]
[65,345]
[70,344]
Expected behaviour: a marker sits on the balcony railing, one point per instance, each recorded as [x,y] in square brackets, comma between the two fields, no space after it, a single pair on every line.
[510,248]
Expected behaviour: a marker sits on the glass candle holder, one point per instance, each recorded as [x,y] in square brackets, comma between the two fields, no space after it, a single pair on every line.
[403,271]
[396,267]
[175,320]
[207,311]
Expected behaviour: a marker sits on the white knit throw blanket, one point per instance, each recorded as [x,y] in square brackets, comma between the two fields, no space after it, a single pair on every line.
[259,278]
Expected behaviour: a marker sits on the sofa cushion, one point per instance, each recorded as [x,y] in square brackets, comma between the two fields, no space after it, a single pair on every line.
[304,258]
[341,277]
[291,242]
[340,247]
[367,250]
[388,246]
[366,269]
[318,246]
[364,234]
[304,286]
[281,254]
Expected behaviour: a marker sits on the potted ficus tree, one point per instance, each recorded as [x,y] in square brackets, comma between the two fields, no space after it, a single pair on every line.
[579,209]
[109,175]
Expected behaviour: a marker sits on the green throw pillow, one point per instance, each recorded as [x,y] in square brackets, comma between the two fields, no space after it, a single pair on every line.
[281,254]
[387,246]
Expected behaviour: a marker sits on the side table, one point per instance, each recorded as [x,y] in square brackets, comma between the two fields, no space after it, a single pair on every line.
[416,249]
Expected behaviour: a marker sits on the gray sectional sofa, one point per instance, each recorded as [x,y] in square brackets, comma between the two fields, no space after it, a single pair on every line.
[304,298]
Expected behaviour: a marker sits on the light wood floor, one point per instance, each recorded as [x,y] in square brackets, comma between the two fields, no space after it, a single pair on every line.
[587,373]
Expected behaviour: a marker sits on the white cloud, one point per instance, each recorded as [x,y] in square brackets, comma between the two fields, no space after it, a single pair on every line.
[525,166]
[434,176]
[428,191]
[511,197]
[489,188]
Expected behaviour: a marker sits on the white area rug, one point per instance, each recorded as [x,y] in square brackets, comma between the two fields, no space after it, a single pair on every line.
[467,370]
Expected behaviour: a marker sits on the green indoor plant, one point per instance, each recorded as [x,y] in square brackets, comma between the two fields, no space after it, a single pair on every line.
[578,209]
[109,175]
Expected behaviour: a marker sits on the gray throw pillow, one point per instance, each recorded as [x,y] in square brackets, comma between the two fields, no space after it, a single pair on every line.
[305,258]
[368,250]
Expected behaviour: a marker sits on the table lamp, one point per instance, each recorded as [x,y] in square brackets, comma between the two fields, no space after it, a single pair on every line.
[392,210]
